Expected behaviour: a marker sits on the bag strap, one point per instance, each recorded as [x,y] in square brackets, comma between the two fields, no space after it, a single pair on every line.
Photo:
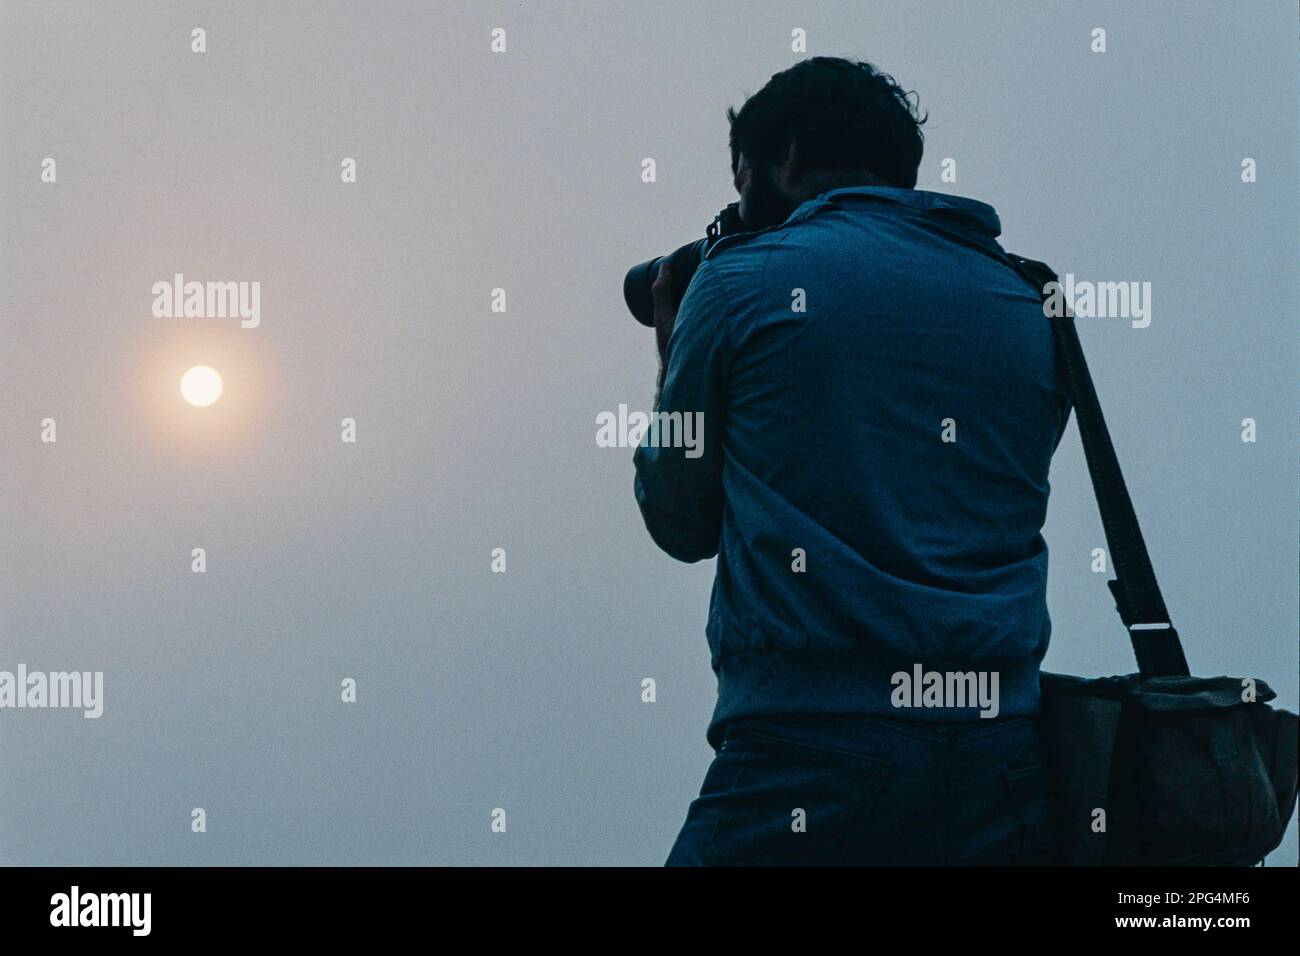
[1137,595]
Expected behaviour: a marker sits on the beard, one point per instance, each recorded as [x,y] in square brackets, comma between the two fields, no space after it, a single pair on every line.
[764,204]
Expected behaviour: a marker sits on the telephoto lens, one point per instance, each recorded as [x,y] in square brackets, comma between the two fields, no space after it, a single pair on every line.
[683,262]
[636,286]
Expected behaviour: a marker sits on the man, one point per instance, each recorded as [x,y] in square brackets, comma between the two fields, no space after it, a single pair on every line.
[881,403]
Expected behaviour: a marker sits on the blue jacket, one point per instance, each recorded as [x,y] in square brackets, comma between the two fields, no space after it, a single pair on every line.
[881,402]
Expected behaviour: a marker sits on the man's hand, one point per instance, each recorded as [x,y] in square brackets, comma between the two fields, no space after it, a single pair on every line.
[661,292]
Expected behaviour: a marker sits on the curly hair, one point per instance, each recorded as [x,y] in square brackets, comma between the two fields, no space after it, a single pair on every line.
[843,114]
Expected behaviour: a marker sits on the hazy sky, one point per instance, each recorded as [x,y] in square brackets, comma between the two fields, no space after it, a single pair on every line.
[476,429]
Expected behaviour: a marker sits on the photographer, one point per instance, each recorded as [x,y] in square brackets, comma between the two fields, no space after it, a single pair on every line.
[881,403]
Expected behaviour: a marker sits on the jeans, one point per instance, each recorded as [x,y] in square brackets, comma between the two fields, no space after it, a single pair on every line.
[838,791]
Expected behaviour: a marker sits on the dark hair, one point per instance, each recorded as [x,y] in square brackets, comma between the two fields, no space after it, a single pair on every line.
[843,114]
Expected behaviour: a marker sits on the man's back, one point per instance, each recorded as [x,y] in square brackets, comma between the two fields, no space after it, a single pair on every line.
[881,406]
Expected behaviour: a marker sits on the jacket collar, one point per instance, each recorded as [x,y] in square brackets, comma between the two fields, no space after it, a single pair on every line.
[968,214]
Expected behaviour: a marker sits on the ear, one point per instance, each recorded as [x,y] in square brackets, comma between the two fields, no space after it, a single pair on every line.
[788,172]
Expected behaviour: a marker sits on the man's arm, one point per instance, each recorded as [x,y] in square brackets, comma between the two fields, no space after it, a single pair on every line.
[679,489]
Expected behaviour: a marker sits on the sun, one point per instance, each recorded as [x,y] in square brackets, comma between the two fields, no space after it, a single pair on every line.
[201,385]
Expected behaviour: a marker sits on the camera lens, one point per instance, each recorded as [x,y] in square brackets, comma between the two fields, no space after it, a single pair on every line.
[636,284]
[636,290]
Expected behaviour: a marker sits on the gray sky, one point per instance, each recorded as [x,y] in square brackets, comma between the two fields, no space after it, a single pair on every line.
[476,429]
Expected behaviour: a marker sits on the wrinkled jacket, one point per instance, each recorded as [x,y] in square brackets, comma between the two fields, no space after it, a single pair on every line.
[881,402]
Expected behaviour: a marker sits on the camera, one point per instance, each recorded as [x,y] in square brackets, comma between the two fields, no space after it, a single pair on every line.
[683,262]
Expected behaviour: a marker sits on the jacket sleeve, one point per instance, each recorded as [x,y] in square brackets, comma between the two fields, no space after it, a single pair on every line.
[679,489]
